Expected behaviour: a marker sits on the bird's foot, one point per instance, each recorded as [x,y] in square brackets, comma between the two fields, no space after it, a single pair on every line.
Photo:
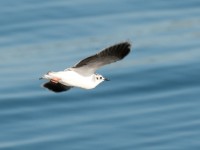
[55,80]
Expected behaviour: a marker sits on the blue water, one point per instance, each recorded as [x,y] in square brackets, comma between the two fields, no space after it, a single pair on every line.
[152,101]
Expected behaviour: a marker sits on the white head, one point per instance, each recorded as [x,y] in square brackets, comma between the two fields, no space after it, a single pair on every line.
[99,78]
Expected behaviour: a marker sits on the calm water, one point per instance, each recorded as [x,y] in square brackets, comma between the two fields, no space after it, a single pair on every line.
[152,101]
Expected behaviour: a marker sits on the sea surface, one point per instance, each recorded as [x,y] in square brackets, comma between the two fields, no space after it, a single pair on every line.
[152,101]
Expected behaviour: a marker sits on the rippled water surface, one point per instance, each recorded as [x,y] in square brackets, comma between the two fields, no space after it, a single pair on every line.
[152,101]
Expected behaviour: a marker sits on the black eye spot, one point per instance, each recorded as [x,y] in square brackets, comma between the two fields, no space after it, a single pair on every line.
[100,77]
[97,78]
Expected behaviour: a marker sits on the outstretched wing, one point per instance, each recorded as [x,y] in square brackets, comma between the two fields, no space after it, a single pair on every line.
[108,55]
[56,87]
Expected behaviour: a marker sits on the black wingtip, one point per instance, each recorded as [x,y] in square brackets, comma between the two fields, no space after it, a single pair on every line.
[122,49]
[56,87]
[125,50]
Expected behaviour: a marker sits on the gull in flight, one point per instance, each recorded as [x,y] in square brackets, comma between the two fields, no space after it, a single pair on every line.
[83,74]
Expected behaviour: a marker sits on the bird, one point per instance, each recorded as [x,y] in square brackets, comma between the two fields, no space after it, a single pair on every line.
[83,74]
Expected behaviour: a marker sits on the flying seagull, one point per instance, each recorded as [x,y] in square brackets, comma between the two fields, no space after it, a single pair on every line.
[83,74]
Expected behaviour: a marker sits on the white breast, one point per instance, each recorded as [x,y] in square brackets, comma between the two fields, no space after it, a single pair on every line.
[71,78]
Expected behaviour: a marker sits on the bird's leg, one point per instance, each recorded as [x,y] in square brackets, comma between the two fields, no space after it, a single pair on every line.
[50,74]
[55,80]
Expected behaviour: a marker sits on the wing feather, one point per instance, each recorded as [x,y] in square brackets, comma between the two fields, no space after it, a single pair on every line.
[56,87]
[108,55]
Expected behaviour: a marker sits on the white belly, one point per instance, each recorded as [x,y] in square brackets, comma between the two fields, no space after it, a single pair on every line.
[71,78]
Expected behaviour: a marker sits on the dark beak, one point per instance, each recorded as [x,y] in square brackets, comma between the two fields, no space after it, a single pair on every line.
[105,79]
